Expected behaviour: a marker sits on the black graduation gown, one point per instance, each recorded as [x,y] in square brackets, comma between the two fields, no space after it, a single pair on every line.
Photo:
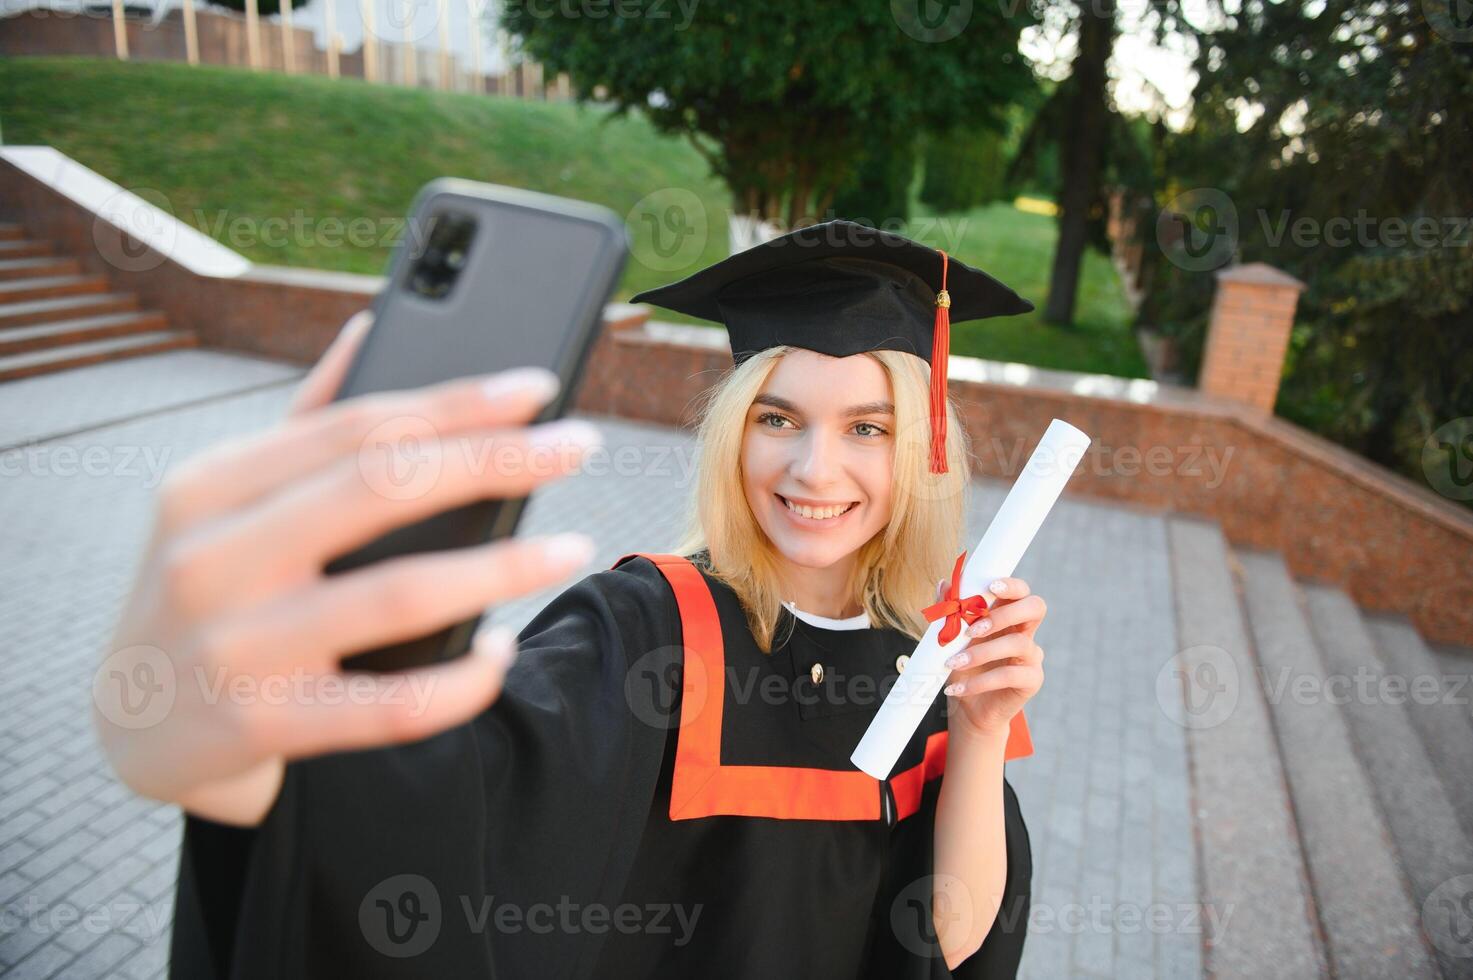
[585,825]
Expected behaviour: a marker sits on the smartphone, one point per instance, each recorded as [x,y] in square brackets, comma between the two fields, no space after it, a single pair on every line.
[484,279]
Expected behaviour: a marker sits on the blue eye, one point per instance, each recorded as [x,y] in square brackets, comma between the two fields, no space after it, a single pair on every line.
[878,431]
[765,416]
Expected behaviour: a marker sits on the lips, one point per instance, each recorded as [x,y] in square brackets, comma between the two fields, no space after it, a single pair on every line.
[816,515]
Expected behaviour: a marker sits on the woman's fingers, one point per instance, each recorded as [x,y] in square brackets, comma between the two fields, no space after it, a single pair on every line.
[363,710]
[1009,589]
[324,380]
[991,650]
[289,536]
[1028,677]
[1006,615]
[406,597]
[243,471]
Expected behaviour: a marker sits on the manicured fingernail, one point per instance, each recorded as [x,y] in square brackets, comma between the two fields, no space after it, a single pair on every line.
[498,643]
[960,659]
[535,381]
[568,548]
[953,689]
[564,433]
[979,627]
[998,587]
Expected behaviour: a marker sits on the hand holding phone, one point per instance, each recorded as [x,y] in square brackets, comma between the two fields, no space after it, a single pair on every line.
[233,585]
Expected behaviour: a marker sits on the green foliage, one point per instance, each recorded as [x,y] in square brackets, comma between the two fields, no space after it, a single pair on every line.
[1366,133]
[784,98]
[966,167]
[878,195]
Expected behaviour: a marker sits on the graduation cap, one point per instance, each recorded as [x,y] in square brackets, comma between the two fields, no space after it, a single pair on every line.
[843,288]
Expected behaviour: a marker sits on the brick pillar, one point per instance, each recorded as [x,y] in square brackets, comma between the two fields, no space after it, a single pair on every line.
[1248,333]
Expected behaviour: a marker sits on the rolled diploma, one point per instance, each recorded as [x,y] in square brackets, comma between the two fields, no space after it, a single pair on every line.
[996,556]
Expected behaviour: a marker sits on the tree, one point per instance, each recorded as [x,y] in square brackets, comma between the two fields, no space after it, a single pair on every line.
[1083,151]
[781,96]
[1343,134]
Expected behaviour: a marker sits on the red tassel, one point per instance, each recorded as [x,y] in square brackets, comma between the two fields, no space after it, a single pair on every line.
[940,346]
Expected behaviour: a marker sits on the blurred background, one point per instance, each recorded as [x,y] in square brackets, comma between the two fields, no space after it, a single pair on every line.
[1246,230]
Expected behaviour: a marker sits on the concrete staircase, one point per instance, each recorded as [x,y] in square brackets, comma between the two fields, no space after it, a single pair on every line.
[1334,793]
[55,316]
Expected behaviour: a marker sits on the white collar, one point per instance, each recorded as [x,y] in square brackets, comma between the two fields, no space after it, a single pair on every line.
[859,622]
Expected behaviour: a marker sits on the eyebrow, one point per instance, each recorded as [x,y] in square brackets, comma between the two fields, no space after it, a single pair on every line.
[868,408]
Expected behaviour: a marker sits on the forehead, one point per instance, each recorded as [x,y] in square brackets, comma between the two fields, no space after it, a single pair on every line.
[819,382]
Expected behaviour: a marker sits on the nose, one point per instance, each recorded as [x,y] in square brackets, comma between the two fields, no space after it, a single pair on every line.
[816,458]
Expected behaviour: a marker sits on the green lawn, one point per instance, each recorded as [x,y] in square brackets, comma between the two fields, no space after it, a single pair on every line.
[336,163]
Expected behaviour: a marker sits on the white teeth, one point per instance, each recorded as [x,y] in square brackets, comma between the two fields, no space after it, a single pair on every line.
[820,513]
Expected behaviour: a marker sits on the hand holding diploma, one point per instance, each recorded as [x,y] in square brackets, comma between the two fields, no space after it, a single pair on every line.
[993,560]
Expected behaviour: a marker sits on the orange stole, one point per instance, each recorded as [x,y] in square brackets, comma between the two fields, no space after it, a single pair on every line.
[703,786]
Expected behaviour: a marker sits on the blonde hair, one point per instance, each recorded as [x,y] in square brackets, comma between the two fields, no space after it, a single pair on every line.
[897,569]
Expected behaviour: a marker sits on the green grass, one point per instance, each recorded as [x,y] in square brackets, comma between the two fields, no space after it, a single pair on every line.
[226,149]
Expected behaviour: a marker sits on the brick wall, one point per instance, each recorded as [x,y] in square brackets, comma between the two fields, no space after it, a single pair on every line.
[1394,545]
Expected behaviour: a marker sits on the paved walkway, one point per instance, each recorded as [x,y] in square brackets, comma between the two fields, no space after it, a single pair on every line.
[87,871]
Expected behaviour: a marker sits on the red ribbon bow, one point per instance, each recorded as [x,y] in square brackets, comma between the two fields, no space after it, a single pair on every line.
[956,609]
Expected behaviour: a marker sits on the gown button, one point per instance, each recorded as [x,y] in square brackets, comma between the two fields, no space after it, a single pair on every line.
[817,674]
[900,663]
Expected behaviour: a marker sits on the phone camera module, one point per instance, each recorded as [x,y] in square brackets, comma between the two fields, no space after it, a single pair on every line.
[434,272]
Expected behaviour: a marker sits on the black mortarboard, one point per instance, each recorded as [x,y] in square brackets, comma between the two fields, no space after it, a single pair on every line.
[843,288]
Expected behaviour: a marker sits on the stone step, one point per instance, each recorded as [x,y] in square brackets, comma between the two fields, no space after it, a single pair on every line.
[38,265]
[21,248]
[1435,853]
[1253,868]
[65,307]
[1372,928]
[1437,706]
[17,340]
[50,287]
[92,352]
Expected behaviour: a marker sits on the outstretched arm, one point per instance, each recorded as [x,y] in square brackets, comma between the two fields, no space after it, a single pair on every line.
[995,674]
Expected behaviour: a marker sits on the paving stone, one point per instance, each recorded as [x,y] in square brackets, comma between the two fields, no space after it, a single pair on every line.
[1372,927]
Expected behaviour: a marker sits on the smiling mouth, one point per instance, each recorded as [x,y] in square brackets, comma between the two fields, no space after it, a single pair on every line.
[817,513]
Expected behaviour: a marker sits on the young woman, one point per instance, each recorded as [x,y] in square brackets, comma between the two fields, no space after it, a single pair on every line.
[662,786]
